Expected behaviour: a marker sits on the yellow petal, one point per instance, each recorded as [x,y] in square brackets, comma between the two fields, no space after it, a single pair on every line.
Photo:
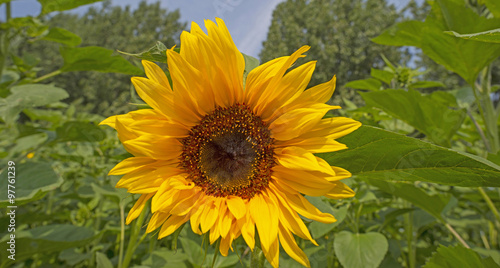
[291,248]
[209,216]
[340,191]
[156,221]
[155,73]
[264,212]
[131,164]
[237,206]
[172,223]
[138,207]
[156,147]
[247,230]
[307,182]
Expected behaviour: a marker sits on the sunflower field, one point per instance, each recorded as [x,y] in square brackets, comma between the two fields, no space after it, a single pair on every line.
[187,152]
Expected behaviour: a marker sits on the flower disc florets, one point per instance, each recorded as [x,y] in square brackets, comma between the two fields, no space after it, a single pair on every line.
[230,152]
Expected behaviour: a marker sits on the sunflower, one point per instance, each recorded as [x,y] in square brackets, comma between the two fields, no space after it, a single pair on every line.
[227,157]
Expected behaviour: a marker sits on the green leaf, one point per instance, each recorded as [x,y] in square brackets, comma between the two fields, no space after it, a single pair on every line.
[426,84]
[28,96]
[492,36]
[319,229]
[163,257]
[103,261]
[432,118]
[61,5]
[250,64]
[32,181]
[367,84]
[360,250]
[433,204]
[372,154]
[47,239]
[96,59]
[80,131]
[464,57]
[62,36]
[458,256]
[157,53]
[382,75]
[493,7]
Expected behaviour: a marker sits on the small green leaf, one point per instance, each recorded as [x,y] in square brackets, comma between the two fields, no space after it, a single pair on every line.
[80,131]
[61,5]
[250,64]
[372,154]
[458,256]
[163,257]
[28,96]
[103,261]
[96,59]
[366,84]
[62,36]
[157,53]
[382,75]
[426,84]
[432,118]
[360,250]
[32,181]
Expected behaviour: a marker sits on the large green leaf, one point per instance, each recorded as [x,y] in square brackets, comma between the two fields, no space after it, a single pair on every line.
[360,250]
[465,57]
[49,238]
[492,36]
[379,154]
[433,204]
[62,36]
[32,181]
[61,5]
[432,118]
[96,59]
[367,84]
[458,256]
[163,257]
[28,96]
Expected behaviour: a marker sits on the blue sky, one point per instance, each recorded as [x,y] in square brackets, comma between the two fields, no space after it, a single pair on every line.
[247,20]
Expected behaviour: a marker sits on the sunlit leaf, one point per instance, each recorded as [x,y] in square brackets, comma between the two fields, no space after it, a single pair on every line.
[250,64]
[373,154]
[426,84]
[96,59]
[382,75]
[61,5]
[492,36]
[458,256]
[432,118]
[360,250]
[62,36]
[28,96]
[367,84]
[157,53]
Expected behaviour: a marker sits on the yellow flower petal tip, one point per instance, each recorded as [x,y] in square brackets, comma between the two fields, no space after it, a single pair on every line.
[228,159]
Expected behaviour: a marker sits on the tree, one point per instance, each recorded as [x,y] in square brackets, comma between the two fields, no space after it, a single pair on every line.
[115,28]
[339,33]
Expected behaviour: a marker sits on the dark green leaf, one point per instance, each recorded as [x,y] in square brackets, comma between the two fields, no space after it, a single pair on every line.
[360,250]
[367,84]
[103,261]
[49,238]
[433,119]
[433,204]
[96,59]
[32,180]
[372,154]
[163,257]
[458,256]
[27,96]
[61,5]
[382,75]
[62,36]
[158,53]
[80,131]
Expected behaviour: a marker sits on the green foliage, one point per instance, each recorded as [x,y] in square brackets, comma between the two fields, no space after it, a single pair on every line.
[61,5]
[360,250]
[449,257]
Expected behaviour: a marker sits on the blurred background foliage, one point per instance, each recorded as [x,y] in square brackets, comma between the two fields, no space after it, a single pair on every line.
[425,163]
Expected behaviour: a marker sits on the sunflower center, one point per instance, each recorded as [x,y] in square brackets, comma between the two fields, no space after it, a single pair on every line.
[229,153]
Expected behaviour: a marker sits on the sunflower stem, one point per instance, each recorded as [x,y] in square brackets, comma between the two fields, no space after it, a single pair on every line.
[122,234]
[490,205]
[133,243]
